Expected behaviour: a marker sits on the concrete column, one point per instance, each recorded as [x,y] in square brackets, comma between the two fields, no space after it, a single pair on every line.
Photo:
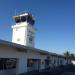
[21,65]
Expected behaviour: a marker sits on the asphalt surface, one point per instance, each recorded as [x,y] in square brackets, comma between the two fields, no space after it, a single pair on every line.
[68,73]
[70,70]
[62,70]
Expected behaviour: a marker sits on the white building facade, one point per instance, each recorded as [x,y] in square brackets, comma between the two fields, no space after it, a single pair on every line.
[20,56]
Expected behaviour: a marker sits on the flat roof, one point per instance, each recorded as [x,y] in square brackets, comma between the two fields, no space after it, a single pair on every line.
[23,48]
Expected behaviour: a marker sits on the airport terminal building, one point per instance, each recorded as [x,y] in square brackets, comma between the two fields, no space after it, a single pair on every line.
[20,55]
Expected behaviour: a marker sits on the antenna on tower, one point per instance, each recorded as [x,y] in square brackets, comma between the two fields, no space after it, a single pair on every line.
[22,11]
[17,11]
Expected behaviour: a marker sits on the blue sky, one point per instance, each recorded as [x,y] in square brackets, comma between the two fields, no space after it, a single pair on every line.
[55,22]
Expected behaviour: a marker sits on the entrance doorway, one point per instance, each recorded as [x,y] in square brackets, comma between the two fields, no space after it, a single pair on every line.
[33,64]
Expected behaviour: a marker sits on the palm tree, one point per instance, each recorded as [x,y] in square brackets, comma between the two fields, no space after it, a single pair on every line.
[72,55]
[67,55]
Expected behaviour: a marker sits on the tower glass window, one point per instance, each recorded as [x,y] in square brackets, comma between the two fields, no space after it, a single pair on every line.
[30,39]
[17,19]
[23,18]
[30,20]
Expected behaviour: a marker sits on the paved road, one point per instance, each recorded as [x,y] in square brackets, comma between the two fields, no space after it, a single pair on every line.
[68,73]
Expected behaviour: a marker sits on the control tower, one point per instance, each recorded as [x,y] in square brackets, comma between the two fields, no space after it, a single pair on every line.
[23,29]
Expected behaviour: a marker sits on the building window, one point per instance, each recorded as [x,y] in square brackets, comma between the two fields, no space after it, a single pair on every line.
[30,20]
[6,63]
[31,33]
[30,63]
[61,62]
[54,61]
[31,39]
[58,62]
[23,18]
[17,19]
[47,62]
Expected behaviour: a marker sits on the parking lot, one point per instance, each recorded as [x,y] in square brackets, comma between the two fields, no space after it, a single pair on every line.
[61,70]
[68,73]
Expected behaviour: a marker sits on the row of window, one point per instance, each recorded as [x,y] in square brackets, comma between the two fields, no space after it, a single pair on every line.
[25,18]
[31,62]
